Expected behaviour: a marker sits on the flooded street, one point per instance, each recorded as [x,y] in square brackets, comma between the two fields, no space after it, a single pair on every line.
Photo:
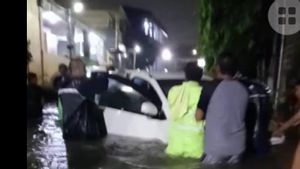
[46,149]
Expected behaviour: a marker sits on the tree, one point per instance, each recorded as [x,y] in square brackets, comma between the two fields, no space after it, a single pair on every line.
[238,27]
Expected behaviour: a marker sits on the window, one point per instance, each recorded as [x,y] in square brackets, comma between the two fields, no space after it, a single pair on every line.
[122,94]
[78,42]
[55,32]
[147,90]
[96,46]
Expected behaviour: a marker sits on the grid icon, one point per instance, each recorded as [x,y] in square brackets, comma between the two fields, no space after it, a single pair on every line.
[284,16]
[291,17]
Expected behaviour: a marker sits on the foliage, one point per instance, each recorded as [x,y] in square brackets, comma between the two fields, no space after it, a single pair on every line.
[234,26]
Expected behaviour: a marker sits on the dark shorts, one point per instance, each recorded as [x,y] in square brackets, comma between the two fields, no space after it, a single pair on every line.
[211,159]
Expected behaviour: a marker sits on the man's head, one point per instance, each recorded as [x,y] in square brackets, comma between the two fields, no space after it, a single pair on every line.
[32,78]
[193,72]
[63,69]
[227,66]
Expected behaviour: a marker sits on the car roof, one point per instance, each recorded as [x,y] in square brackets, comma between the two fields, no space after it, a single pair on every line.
[164,76]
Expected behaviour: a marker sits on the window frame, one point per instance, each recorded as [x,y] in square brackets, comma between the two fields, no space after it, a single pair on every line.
[138,90]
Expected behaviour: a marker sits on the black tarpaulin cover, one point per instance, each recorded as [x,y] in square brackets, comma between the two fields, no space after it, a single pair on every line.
[82,118]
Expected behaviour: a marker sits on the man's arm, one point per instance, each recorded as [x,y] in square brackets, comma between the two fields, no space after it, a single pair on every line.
[199,115]
[206,94]
[295,120]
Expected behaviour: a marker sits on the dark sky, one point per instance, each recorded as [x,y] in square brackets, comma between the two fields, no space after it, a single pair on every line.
[178,16]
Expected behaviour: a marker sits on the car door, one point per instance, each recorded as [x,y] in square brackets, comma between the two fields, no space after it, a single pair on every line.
[123,101]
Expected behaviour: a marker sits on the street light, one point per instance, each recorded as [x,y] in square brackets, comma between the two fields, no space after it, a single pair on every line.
[201,62]
[136,50]
[166,54]
[194,52]
[78,7]
[122,47]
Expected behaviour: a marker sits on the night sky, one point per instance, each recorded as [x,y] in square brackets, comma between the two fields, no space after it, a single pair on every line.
[178,16]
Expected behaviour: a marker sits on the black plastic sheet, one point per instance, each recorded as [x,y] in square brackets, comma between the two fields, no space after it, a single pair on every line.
[82,118]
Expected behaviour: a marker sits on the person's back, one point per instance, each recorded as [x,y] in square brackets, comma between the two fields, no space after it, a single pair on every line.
[224,102]
[81,117]
[186,127]
[258,115]
[225,126]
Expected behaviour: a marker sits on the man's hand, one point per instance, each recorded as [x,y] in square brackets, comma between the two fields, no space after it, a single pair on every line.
[278,133]
[199,115]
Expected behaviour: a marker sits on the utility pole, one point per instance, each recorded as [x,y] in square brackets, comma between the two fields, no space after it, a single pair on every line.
[279,73]
[39,4]
[134,59]
[70,33]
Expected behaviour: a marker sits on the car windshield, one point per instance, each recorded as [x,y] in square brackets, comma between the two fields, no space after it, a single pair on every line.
[167,84]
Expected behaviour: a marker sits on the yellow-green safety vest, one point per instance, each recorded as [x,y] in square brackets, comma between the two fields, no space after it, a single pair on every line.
[186,135]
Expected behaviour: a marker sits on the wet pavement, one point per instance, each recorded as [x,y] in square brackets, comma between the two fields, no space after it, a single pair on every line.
[46,149]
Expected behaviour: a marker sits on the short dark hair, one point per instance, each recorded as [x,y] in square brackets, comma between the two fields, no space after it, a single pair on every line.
[228,64]
[31,76]
[193,72]
[62,65]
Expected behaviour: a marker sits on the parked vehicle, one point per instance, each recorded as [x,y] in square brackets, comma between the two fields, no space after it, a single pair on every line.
[136,104]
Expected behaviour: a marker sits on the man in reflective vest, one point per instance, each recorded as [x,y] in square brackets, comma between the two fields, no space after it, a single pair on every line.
[186,128]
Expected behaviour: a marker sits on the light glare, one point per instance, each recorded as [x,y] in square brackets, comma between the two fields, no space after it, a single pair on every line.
[137,49]
[166,54]
[201,62]
[127,89]
[122,47]
[51,17]
[78,7]
[194,52]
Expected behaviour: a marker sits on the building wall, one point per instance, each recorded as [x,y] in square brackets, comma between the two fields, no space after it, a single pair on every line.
[51,66]
[34,37]
[51,62]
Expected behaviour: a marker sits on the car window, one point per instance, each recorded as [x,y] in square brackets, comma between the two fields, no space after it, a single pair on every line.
[121,94]
[148,90]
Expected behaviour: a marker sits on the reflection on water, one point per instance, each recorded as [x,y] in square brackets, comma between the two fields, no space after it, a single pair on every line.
[46,149]
[45,145]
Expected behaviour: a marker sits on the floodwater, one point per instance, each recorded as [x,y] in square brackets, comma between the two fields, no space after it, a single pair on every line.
[46,149]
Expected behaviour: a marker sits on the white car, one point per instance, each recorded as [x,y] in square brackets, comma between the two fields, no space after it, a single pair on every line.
[136,105]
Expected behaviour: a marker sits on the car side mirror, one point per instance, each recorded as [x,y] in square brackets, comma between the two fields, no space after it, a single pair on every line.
[149,109]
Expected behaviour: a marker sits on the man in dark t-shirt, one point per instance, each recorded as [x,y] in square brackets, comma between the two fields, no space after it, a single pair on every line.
[224,102]
[62,79]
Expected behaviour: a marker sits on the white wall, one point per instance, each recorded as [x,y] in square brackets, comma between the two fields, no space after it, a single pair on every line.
[51,62]
[33,36]
[51,66]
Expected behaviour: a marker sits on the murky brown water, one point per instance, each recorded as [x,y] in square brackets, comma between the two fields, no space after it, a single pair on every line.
[46,149]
